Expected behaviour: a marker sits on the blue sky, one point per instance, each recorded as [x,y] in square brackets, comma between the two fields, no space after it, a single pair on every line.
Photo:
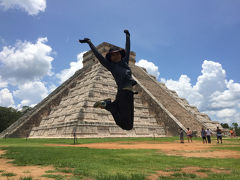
[191,46]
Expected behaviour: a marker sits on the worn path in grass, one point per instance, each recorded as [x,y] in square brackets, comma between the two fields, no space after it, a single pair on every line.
[25,171]
[194,149]
[187,172]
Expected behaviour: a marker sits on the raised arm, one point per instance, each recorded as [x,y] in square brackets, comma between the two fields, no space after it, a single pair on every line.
[127,45]
[99,56]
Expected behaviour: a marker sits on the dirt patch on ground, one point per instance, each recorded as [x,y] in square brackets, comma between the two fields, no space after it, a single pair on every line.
[26,171]
[207,153]
[187,172]
[2,152]
[141,145]
[195,149]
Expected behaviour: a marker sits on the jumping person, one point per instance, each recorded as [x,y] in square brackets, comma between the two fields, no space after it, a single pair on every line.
[116,61]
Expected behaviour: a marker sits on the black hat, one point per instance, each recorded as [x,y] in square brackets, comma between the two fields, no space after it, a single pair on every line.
[113,50]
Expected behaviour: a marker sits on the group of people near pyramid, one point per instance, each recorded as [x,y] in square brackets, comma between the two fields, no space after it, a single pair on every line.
[205,134]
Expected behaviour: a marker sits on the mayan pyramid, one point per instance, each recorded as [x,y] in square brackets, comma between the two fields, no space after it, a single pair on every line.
[69,108]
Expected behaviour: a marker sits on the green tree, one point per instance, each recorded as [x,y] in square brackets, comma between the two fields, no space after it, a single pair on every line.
[236,128]
[25,109]
[225,125]
[235,125]
[8,116]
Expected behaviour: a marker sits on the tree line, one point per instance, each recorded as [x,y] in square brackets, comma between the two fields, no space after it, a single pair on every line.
[9,115]
[234,126]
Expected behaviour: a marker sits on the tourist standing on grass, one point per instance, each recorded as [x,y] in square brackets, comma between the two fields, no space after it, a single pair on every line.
[219,135]
[209,133]
[116,61]
[231,133]
[181,136]
[189,135]
[204,136]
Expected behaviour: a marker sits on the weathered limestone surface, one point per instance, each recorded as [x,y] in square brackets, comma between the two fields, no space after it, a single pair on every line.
[203,118]
[69,109]
[184,114]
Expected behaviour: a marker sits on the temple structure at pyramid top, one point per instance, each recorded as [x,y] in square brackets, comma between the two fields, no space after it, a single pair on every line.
[69,109]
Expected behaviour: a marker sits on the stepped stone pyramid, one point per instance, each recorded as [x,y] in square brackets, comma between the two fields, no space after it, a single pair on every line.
[69,108]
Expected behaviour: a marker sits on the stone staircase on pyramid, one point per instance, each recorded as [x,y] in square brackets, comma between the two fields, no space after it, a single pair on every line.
[158,111]
[184,114]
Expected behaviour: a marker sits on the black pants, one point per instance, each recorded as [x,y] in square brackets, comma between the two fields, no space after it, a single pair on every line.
[122,109]
[219,138]
[209,139]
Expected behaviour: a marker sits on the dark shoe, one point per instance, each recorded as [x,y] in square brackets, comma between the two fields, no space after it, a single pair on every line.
[102,104]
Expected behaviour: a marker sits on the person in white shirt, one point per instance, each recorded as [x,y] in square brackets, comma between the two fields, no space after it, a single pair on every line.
[209,132]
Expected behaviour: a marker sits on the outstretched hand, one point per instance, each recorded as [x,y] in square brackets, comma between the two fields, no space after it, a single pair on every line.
[126,32]
[85,40]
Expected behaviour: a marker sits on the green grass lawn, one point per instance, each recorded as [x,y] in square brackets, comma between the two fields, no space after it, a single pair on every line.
[26,142]
[119,164]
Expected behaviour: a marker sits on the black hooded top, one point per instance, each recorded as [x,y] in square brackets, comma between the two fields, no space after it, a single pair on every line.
[120,70]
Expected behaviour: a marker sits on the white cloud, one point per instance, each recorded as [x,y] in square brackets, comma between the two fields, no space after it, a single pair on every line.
[226,104]
[149,66]
[31,93]
[32,7]
[225,113]
[6,98]
[184,89]
[212,93]
[25,62]
[23,66]
[74,66]
[228,98]
[3,83]
[213,78]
